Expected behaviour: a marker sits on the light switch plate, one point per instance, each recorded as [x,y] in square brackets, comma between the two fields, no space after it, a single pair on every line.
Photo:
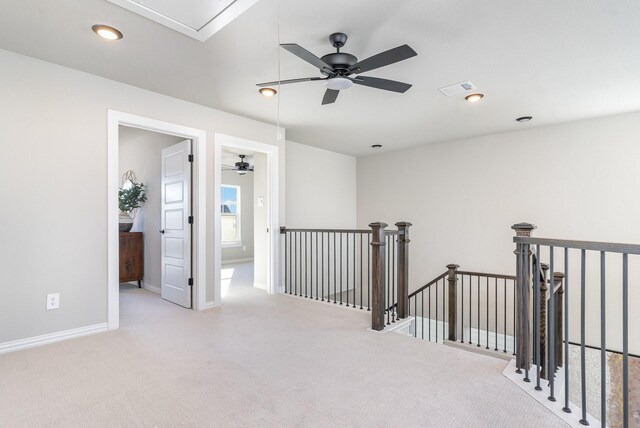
[261,201]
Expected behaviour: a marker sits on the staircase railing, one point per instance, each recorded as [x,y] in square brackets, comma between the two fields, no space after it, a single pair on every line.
[596,283]
[357,268]
[473,307]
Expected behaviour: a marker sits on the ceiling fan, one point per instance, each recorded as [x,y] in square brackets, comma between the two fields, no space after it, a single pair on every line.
[339,66]
[241,167]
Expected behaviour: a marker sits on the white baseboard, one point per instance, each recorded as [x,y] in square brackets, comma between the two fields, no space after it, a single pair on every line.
[209,305]
[260,285]
[151,288]
[230,262]
[30,342]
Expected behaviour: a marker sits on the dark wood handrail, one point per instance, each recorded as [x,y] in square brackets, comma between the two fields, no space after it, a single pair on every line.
[284,230]
[429,284]
[486,275]
[580,245]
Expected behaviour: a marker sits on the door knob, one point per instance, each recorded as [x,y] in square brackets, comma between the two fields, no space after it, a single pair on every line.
[162,231]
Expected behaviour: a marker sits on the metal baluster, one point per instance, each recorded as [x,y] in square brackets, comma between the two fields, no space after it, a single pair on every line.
[368,272]
[583,374]
[525,300]
[335,276]
[311,263]
[603,344]
[415,323]
[487,328]
[392,240]
[444,314]
[514,319]
[495,302]
[361,271]
[504,349]
[537,316]
[296,243]
[322,266]
[478,312]
[285,262]
[462,312]
[347,257]
[354,270]
[625,339]
[430,314]
[388,282]
[551,344]
[422,312]
[317,266]
[341,271]
[436,284]
[566,408]
[306,264]
[470,306]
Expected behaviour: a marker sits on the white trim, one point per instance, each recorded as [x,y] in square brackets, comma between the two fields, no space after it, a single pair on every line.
[199,137]
[58,336]
[230,262]
[238,241]
[202,34]
[151,288]
[210,305]
[272,190]
[260,285]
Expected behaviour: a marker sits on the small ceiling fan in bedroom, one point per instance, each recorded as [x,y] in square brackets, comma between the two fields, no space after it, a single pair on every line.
[338,68]
[241,167]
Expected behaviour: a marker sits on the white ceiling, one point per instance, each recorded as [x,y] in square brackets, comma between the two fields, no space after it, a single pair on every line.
[557,61]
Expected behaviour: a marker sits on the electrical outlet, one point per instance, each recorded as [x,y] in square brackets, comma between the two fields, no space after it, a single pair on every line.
[53,301]
[244,248]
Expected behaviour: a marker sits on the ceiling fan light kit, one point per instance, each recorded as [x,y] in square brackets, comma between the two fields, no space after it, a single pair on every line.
[338,68]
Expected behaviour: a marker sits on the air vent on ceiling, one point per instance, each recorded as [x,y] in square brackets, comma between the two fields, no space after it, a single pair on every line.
[199,19]
[458,88]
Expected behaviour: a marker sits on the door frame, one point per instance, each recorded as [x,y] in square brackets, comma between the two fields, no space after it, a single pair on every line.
[199,138]
[272,153]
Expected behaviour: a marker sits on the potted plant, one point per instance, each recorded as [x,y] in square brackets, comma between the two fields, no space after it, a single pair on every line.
[131,196]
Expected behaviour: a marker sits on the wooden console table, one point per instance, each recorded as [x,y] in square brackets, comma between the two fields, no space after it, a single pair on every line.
[131,257]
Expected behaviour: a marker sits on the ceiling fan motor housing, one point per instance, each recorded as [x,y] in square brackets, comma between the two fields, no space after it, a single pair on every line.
[341,61]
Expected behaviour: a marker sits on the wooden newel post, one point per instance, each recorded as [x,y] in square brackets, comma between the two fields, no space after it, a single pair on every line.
[403,268]
[453,301]
[523,299]
[377,275]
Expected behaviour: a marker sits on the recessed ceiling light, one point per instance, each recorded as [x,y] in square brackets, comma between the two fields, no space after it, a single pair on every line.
[474,97]
[376,146]
[268,92]
[524,119]
[107,32]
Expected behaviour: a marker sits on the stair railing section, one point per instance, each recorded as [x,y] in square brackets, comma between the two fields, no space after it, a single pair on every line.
[358,268]
[549,336]
[470,307]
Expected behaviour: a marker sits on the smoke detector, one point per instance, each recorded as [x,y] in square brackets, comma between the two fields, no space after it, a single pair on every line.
[458,88]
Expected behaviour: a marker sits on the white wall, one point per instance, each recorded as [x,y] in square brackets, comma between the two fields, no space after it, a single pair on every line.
[245,251]
[139,151]
[260,220]
[321,188]
[574,181]
[54,187]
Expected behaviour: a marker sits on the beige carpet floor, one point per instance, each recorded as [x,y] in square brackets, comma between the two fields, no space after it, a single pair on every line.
[258,361]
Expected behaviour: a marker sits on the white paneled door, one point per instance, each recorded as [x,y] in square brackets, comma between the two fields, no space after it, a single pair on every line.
[176,228]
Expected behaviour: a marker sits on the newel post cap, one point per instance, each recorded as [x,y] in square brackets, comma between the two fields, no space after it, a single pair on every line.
[378,225]
[404,224]
[452,266]
[523,229]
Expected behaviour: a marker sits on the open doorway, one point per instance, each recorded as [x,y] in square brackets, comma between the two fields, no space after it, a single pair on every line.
[172,159]
[139,159]
[246,197]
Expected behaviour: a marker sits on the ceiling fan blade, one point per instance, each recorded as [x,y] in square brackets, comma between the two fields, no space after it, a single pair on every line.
[284,82]
[304,54]
[382,59]
[330,96]
[386,84]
